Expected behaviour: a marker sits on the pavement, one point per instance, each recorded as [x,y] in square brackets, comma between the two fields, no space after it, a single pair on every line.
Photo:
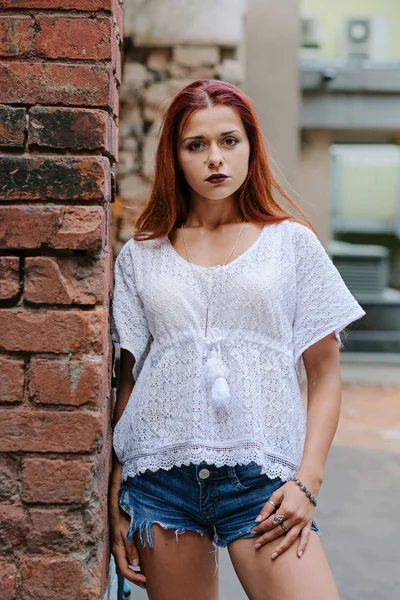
[359,501]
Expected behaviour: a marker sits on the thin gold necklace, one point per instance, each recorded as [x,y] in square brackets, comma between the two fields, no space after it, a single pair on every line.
[212,289]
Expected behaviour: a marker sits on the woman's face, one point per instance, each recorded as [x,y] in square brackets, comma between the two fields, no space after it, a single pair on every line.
[214,152]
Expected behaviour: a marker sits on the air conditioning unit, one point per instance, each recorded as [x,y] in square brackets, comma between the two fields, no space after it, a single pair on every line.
[310,32]
[364,268]
[365,38]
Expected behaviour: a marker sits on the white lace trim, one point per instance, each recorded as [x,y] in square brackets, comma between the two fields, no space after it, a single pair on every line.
[241,454]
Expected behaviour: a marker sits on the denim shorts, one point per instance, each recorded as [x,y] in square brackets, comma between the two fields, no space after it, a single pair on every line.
[220,501]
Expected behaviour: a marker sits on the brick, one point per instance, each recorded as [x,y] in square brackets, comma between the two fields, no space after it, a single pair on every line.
[67,382]
[15,36]
[54,531]
[89,5]
[12,126]
[196,56]
[11,379]
[58,331]
[95,586]
[9,277]
[64,280]
[116,54]
[55,83]
[48,578]
[69,128]
[58,227]
[9,472]
[74,38]
[66,178]
[8,580]
[48,431]
[12,527]
[55,481]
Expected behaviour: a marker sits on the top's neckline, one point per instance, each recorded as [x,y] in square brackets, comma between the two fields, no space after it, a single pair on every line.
[204,268]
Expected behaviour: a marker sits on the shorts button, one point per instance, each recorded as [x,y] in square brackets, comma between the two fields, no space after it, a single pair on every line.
[204,473]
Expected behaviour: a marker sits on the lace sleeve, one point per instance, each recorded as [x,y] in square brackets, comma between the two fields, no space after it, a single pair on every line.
[324,304]
[129,327]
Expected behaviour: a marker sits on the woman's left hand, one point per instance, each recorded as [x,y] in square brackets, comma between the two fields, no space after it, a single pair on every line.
[293,504]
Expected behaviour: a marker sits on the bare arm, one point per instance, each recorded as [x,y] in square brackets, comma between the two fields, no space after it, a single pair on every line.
[125,387]
[125,553]
[322,364]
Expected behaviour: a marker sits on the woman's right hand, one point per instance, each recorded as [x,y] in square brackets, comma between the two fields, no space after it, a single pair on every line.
[125,553]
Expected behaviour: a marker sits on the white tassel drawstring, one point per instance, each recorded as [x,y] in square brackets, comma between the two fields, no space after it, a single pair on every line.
[216,373]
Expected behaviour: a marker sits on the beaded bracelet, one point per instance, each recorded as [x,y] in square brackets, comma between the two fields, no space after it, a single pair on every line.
[305,490]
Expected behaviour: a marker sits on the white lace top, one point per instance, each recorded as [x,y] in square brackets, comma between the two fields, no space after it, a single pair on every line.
[268,305]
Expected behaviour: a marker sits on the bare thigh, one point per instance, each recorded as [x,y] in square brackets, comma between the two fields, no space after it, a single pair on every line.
[288,577]
[179,570]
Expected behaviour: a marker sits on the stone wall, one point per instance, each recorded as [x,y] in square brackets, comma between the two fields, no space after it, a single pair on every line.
[158,62]
[59,77]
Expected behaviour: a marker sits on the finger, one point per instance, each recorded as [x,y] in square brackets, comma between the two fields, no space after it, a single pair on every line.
[276,531]
[289,539]
[304,537]
[131,552]
[268,508]
[123,569]
[268,523]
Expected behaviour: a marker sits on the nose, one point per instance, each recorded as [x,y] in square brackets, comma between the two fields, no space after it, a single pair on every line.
[215,158]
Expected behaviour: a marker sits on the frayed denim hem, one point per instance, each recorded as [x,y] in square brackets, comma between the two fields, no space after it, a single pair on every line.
[145,529]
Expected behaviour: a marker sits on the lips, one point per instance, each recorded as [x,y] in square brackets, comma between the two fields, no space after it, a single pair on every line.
[217,178]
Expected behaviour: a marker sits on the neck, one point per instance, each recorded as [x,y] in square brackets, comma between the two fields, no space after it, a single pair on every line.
[212,214]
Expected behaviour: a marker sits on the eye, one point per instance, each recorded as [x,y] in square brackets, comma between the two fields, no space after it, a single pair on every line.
[194,146]
[231,141]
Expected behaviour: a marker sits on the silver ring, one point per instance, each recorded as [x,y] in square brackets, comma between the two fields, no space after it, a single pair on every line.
[272,502]
[277,519]
[285,529]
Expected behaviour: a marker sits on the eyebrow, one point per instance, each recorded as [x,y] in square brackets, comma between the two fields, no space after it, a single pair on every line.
[201,137]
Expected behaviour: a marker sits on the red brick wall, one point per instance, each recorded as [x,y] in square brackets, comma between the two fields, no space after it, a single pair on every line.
[59,79]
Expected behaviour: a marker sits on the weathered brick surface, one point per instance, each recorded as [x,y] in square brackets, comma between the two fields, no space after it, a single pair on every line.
[55,531]
[12,126]
[65,178]
[64,280]
[15,35]
[58,227]
[55,481]
[12,527]
[73,38]
[11,379]
[9,277]
[9,476]
[60,331]
[48,431]
[8,580]
[68,382]
[60,4]
[49,578]
[54,83]
[69,128]
[59,73]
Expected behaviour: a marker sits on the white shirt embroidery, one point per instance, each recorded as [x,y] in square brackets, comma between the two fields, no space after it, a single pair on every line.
[269,305]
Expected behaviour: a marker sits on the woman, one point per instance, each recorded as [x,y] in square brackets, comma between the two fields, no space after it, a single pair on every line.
[219,299]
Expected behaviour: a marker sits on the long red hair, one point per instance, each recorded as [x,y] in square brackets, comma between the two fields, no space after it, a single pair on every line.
[168,202]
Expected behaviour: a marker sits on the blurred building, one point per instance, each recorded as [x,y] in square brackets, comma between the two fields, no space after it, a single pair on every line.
[167,44]
[325,80]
